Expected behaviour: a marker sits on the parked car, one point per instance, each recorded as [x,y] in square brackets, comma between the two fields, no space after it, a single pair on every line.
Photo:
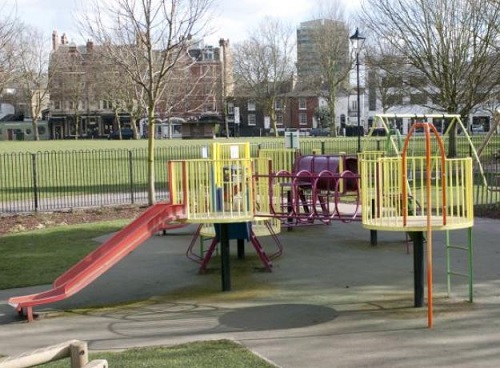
[127,133]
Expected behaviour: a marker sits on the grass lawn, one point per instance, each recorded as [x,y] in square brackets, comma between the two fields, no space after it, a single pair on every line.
[78,167]
[206,354]
[39,257]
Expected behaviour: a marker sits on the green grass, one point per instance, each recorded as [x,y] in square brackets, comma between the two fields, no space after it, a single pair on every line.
[39,257]
[206,354]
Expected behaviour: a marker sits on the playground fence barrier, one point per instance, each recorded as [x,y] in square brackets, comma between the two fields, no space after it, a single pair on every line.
[62,180]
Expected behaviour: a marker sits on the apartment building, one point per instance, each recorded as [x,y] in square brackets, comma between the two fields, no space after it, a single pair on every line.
[84,88]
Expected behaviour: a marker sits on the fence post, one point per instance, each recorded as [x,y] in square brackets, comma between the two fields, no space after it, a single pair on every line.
[79,354]
[35,180]
[322,147]
[131,176]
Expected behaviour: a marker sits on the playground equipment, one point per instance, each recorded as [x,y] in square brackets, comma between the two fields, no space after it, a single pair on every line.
[225,192]
[206,191]
[420,194]
[320,188]
[154,219]
[453,121]
[230,192]
[251,232]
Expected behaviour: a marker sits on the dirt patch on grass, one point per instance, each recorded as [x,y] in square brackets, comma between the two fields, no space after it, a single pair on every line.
[27,222]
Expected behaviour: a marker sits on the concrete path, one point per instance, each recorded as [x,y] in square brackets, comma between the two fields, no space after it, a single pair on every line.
[332,301]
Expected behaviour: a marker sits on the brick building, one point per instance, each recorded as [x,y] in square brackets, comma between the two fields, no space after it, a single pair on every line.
[81,82]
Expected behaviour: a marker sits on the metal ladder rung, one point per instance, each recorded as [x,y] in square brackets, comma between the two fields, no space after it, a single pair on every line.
[457,247]
[458,274]
[450,273]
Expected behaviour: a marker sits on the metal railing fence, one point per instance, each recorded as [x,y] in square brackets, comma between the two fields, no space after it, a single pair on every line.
[56,180]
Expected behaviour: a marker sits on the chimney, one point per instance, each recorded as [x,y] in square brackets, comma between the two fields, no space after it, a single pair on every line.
[90,46]
[64,39]
[55,41]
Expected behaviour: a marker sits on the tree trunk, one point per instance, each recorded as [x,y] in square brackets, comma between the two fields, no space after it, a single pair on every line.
[118,124]
[151,156]
[493,128]
[34,125]
[331,107]
[133,123]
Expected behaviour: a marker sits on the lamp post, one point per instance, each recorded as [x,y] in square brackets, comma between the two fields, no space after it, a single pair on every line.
[357,42]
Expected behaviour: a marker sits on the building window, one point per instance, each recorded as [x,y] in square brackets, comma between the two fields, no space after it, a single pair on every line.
[230,108]
[252,119]
[251,105]
[278,104]
[209,107]
[57,105]
[302,104]
[354,105]
[279,119]
[208,89]
[106,105]
[302,118]
[208,54]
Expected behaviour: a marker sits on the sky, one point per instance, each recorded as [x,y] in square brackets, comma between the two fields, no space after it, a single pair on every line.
[233,18]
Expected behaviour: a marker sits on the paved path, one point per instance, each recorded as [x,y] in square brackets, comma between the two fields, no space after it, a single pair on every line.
[331,301]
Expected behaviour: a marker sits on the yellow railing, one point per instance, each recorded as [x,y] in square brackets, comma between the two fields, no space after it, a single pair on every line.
[382,193]
[213,191]
[232,150]
[282,159]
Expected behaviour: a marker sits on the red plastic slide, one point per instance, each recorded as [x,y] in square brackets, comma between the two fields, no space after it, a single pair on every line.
[154,219]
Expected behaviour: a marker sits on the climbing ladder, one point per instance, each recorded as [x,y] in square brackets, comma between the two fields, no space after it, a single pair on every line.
[449,272]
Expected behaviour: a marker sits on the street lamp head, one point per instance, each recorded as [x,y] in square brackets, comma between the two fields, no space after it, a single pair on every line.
[357,40]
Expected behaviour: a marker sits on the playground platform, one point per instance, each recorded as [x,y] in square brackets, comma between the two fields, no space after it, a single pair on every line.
[332,300]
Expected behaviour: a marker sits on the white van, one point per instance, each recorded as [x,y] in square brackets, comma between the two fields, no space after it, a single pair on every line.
[164,129]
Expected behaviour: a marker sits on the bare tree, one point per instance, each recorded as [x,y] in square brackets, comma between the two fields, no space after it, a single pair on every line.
[75,83]
[119,90]
[146,38]
[493,107]
[32,58]
[8,29]
[192,87]
[264,65]
[448,47]
[326,68]
[388,89]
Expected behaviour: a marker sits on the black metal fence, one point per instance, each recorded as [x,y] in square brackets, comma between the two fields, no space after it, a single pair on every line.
[56,180]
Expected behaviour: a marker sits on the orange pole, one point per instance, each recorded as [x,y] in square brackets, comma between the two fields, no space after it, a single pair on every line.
[429,223]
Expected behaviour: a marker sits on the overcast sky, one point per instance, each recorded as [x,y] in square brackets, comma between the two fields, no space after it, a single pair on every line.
[234,17]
